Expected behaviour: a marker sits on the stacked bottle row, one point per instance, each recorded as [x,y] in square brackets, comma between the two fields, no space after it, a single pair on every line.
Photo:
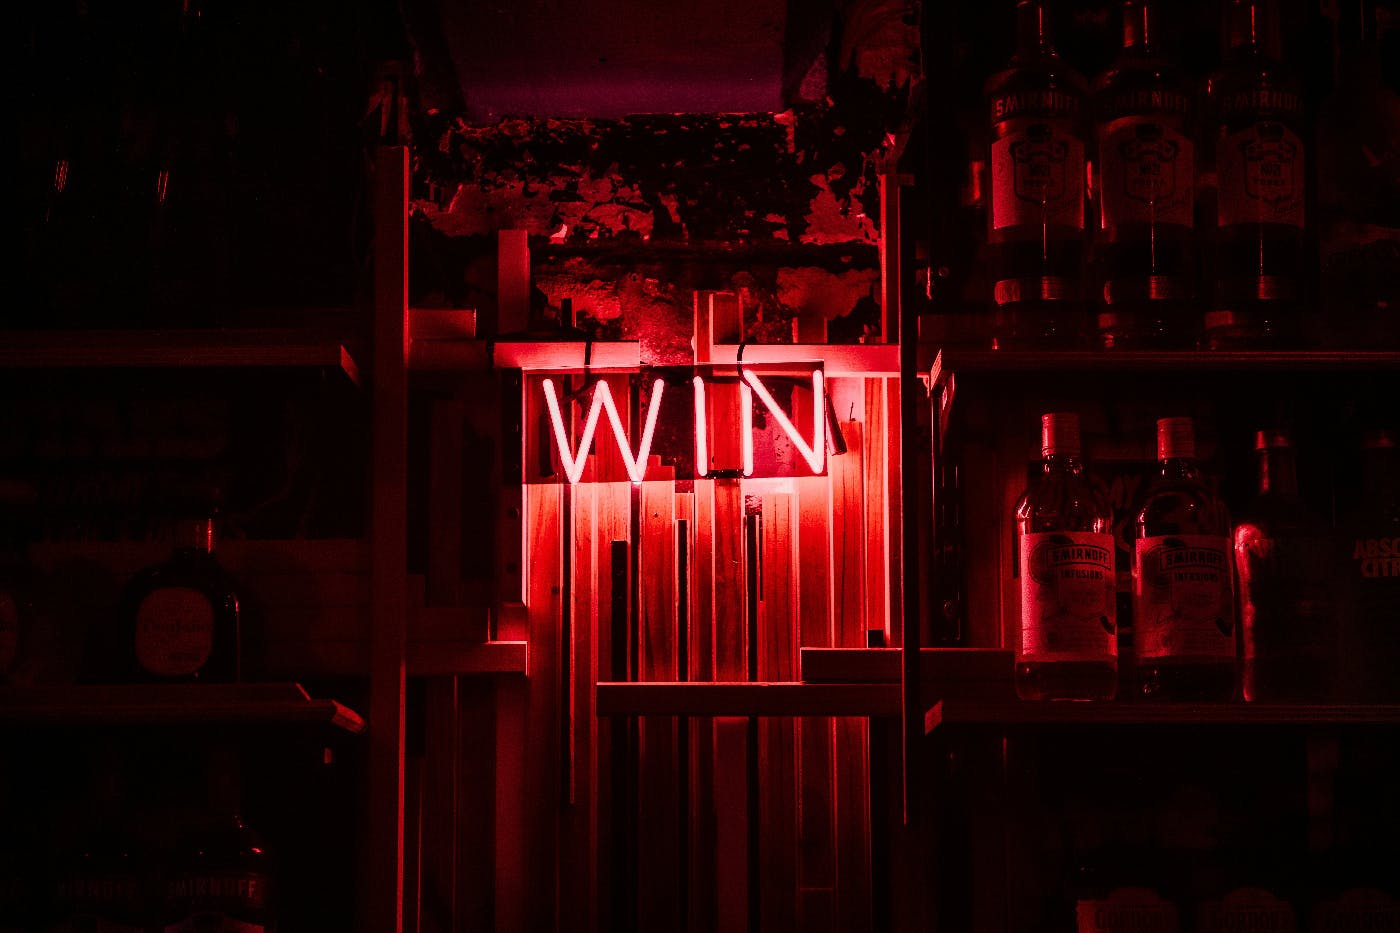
[98,866]
[1146,208]
[1274,606]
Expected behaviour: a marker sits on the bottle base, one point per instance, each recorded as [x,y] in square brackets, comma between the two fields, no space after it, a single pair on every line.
[1066,680]
[1187,681]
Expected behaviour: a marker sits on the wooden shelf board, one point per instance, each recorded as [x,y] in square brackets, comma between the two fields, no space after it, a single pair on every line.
[1018,713]
[156,349]
[448,355]
[747,699]
[953,360]
[149,704]
[837,359]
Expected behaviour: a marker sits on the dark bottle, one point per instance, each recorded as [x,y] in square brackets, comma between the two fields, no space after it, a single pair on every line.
[1068,648]
[1258,894]
[1371,576]
[1288,609]
[1124,886]
[220,875]
[1035,231]
[1183,594]
[98,879]
[1260,166]
[1145,249]
[180,619]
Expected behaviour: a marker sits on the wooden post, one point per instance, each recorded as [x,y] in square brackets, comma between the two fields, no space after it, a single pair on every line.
[389,534]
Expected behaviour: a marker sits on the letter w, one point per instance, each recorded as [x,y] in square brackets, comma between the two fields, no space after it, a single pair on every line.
[574,461]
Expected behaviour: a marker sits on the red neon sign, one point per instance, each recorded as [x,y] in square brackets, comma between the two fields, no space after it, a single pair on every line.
[678,430]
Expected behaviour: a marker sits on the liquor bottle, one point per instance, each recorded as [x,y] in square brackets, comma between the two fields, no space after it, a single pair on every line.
[179,620]
[1068,646]
[1035,231]
[1125,887]
[1183,596]
[1371,576]
[1145,248]
[220,876]
[1260,163]
[98,879]
[1284,557]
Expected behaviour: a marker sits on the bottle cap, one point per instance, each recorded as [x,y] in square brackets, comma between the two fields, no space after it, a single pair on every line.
[1263,440]
[1176,438]
[1059,434]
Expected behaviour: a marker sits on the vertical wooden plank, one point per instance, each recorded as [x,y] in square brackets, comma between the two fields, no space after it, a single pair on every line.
[444,514]
[817,840]
[731,751]
[439,832]
[894,510]
[477,790]
[614,507]
[389,532]
[875,443]
[512,281]
[659,871]
[701,657]
[544,527]
[578,830]
[777,737]
[852,784]
[511,888]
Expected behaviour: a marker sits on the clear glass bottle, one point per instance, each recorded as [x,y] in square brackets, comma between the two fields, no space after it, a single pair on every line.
[1370,548]
[1035,231]
[1288,609]
[180,619]
[1145,249]
[1183,593]
[1068,646]
[1260,165]
[220,875]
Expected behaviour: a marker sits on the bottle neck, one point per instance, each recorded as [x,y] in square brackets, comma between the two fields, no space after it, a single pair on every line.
[1062,463]
[1179,468]
[1140,29]
[1034,36]
[1278,471]
[194,534]
[1380,475]
[1251,29]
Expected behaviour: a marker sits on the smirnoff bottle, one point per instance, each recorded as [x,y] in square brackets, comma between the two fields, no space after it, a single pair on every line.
[1371,577]
[1284,557]
[1035,233]
[1146,245]
[1068,646]
[1260,163]
[1183,597]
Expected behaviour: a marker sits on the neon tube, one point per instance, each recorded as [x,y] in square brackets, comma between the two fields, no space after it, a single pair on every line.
[815,454]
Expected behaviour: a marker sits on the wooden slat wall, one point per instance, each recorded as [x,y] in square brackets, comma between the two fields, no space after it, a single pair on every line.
[683,838]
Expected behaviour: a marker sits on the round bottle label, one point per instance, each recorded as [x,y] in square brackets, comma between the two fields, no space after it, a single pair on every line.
[1038,178]
[1148,174]
[174,631]
[1247,910]
[1068,608]
[1260,176]
[1184,599]
[1357,910]
[1126,910]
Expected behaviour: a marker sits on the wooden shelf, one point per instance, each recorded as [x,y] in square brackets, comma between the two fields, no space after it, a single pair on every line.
[169,704]
[960,712]
[747,699]
[186,349]
[938,667]
[953,360]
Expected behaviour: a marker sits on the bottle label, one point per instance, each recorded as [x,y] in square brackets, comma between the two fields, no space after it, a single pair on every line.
[174,631]
[1038,178]
[1357,910]
[220,902]
[9,631]
[1260,176]
[1148,174]
[1126,910]
[1376,558]
[1068,610]
[1184,600]
[1250,910]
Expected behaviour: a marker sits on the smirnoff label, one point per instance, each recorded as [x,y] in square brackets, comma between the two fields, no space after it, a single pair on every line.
[1260,176]
[174,631]
[1068,610]
[1184,597]
[1148,174]
[227,902]
[1038,177]
[1357,910]
[1126,910]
